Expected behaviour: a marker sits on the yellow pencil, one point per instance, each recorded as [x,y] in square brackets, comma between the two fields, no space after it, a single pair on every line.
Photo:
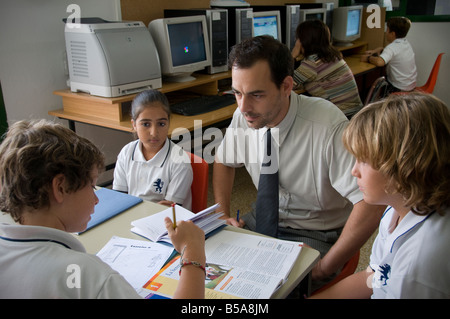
[174,217]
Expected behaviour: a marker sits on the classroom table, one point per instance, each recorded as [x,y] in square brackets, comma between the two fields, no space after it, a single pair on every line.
[120,225]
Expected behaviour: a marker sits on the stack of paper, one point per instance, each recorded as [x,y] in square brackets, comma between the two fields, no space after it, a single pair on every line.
[135,260]
[153,227]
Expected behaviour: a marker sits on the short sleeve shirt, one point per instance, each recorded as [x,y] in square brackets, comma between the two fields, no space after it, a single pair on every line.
[167,176]
[316,188]
[40,262]
[333,81]
[412,259]
[400,64]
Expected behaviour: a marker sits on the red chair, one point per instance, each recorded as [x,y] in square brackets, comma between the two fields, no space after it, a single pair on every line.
[431,82]
[348,269]
[199,188]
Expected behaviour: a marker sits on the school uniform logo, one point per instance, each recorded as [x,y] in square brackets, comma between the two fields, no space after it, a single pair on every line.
[381,276]
[158,184]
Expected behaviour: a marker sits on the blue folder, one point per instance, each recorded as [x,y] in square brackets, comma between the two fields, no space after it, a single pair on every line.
[111,203]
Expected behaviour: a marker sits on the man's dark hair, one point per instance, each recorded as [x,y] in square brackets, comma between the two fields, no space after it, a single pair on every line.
[248,52]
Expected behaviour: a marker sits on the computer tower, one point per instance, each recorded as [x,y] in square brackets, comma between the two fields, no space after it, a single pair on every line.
[244,24]
[240,24]
[217,21]
[329,6]
[290,18]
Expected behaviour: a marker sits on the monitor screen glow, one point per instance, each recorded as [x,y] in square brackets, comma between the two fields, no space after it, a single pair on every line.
[346,25]
[353,23]
[266,25]
[183,46]
[186,43]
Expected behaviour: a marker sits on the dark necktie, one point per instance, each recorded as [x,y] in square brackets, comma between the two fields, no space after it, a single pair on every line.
[267,201]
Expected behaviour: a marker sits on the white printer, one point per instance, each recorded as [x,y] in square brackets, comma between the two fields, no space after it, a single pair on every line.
[111,59]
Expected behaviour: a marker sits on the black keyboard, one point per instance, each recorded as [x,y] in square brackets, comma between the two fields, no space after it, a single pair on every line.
[203,104]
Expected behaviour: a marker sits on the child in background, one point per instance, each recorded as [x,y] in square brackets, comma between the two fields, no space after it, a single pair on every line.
[47,180]
[398,56]
[403,161]
[153,167]
[322,71]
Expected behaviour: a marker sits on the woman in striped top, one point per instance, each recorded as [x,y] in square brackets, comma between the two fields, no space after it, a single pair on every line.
[322,71]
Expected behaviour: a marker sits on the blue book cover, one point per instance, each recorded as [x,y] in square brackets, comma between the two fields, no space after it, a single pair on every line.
[110,204]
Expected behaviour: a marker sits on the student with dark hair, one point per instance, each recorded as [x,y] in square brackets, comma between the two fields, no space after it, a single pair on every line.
[397,56]
[322,71]
[153,167]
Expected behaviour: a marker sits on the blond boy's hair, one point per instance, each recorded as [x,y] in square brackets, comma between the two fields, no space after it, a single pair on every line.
[406,138]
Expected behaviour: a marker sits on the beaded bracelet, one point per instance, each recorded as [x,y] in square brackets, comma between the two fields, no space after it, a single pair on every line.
[184,262]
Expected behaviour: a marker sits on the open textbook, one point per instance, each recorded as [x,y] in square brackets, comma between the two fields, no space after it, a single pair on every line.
[153,227]
[239,265]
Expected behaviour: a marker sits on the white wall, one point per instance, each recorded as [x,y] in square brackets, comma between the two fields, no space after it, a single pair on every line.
[428,39]
[31,62]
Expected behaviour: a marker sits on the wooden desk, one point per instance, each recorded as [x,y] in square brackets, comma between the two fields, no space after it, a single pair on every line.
[120,225]
[176,121]
[365,73]
[358,67]
[114,112]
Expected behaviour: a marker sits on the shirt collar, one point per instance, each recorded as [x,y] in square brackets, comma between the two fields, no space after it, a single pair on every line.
[26,233]
[408,223]
[400,40]
[280,131]
[158,160]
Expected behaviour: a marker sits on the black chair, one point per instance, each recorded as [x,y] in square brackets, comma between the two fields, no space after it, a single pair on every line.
[378,90]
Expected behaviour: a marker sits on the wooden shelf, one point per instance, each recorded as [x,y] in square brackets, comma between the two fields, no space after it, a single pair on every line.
[357,47]
[117,109]
[114,112]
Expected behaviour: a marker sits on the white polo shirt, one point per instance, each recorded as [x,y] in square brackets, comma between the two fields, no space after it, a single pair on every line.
[42,262]
[316,188]
[167,176]
[400,64]
[412,260]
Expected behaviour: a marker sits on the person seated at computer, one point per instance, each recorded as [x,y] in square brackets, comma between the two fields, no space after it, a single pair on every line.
[322,71]
[153,167]
[398,56]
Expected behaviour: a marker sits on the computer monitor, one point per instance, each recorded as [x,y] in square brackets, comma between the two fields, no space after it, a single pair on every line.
[182,45]
[217,21]
[347,25]
[289,20]
[313,14]
[267,23]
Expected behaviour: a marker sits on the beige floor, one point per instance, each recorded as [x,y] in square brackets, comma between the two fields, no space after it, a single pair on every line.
[244,194]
